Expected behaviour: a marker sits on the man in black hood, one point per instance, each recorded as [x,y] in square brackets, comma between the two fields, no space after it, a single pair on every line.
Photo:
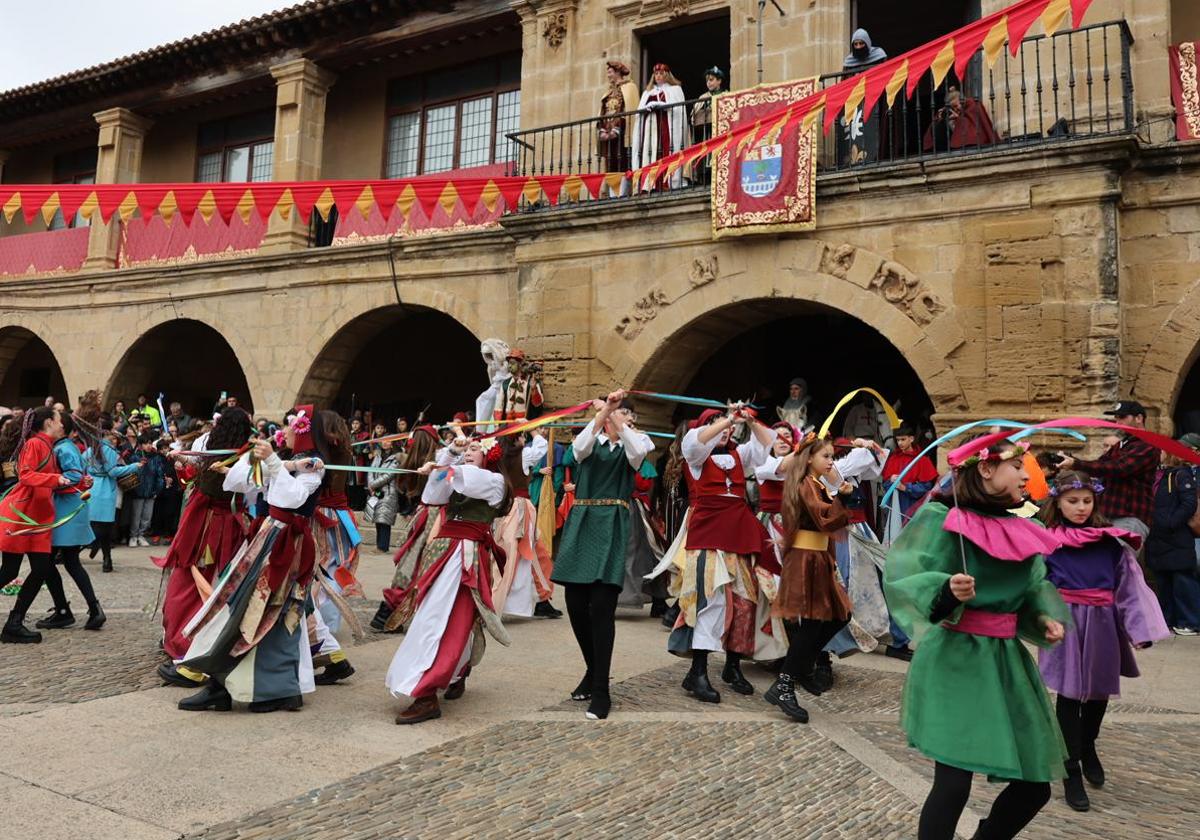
[862,52]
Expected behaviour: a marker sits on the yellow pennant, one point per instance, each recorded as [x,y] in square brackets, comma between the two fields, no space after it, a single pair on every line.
[532,191]
[50,208]
[324,203]
[284,207]
[490,196]
[406,199]
[1054,15]
[573,186]
[856,96]
[168,207]
[127,207]
[993,43]
[896,82]
[893,420]
[12,206]
[365,201]
[207,206]
[943,62]
[613,179]
[90,208]
[245,206]
[448,199]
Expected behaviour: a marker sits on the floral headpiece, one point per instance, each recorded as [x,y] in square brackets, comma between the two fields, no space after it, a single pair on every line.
[1079,483]
[996,455]
[301,424]
[810,437]
[492,452]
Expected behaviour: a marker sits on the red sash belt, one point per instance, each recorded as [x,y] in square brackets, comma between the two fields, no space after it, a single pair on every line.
[995,625]
[1089,597]
[333,499]
[771,506]
[284,562]
[520,492]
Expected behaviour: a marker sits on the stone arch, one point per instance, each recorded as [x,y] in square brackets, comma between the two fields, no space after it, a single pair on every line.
[29,368]
[1172,352]
[690,314]
[387,360]
[188,360]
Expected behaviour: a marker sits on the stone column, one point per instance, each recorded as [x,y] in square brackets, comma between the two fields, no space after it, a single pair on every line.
[118,161]
[300,90]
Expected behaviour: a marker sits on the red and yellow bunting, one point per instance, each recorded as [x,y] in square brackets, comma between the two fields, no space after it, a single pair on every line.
[883,82]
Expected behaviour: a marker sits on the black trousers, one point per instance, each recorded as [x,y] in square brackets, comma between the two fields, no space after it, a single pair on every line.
[68,558]
[1080,723]
[39,563]
[1014,808]
[592,608]
[104,537]
[805,641]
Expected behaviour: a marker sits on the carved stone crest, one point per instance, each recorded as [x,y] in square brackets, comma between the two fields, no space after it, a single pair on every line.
[837,261]
[901,289]
[554,29]
[704,270]
[643,311]
[678,7]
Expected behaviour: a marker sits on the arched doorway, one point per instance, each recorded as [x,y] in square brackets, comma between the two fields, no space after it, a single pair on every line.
[28,370]
[753,349]
[394,361]
[185,360]
[1187,402]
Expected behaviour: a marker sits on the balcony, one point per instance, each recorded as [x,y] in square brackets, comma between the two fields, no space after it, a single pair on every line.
[43,252]
[1072,86]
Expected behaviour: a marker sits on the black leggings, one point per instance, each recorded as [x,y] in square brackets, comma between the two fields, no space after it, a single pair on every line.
[592,608]
[1080,723]
[68,556]
[104,537]
[805,641]
[39,563]
[1013,809]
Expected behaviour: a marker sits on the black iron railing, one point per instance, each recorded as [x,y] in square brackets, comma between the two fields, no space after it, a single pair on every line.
[1073,85]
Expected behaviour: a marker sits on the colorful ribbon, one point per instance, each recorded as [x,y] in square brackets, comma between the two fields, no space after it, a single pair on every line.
[1166,444]
[893,419]
[32,526]
[676,398]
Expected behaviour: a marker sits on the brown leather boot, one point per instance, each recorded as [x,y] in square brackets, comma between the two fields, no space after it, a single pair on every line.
[422,709]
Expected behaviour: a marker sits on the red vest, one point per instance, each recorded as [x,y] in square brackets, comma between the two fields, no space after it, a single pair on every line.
[714,481]
[770,496]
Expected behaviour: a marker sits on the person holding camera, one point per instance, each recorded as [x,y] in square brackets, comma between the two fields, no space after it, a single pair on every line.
[1127,470]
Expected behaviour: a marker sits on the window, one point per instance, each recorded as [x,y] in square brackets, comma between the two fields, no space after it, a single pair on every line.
[237,149]
[77,167]
[454,118]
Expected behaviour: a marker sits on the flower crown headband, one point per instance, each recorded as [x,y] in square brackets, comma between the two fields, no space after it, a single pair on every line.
[996,456]
[300,424]
[1078,483]
[492,452]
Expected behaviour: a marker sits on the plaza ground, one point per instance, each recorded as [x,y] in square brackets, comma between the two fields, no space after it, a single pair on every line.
[94,746]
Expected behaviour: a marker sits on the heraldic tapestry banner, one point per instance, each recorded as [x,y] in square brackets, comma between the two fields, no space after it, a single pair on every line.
[770,186]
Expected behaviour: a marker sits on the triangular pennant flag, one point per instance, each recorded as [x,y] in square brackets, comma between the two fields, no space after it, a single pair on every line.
[366,202]
[966,44]
[89,208]
[448,199]
[324,204]
[266,199]
[942,63]
[490,196]
[835,98]
[10,202]
[385,194]
[613,179]
[856,94]
[207,206]
[572,187]
[428,194]
[591,183]
[810,119]
[304,198]
[345,196]
[70,198]
[993,42]
[188,198]
[110,198]
[532,191]
[1054,15]
[918,62]
[877,80]
[127,207]
[168,207]
[32,199]
[1078,9]
[748,138]
[245,206]
[469,190]
[49,208]
[149,198]
[1020,18]
[406,200]
[552,186]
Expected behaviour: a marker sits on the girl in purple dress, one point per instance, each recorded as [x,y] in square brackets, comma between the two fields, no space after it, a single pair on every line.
[1112,611]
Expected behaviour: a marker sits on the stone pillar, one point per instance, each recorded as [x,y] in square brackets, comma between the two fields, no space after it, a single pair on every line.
[118,161]
[550,74]
[300,90]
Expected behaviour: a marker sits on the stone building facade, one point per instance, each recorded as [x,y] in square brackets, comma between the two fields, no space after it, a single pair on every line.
[1019,282]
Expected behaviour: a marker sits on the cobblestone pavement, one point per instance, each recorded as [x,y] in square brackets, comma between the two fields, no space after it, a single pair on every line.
[663,765]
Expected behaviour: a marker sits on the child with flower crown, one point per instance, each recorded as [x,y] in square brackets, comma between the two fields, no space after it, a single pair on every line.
[966,581]
[1112,611]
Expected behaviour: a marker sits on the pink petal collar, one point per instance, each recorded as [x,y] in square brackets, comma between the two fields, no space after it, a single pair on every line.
[1079,537]
[1008,538]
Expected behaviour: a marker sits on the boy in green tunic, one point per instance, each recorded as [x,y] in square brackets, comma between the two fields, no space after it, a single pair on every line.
[590,563]
[966,579]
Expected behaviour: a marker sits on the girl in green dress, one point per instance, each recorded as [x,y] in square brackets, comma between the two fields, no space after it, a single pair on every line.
[966,579]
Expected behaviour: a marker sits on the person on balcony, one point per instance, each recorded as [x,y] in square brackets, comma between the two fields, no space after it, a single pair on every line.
[702,117]
[615,133]
[863,53]
[961,123]
[659,128]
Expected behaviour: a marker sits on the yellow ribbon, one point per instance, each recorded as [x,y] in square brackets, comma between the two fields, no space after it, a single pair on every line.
[893,419]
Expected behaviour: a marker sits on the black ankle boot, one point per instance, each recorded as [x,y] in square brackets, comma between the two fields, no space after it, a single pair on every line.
[16,633]
[333,672]
[733,677]
[381,616]
[658,607]
[783,695]
[544,609]
[96,617]
[599,707]
[823,671]
[106,566]
[1073,789]
[696,682]
[1093,770]
[212,698]
[583,691]
[56,619]
[170,675]
[281,704]
[670,616]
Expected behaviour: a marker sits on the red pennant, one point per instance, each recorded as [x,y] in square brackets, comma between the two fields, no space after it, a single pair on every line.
[187,196]
[109,197]
[1078,9]
[70,197]
[592,183]
[967,42]
[227,198]
[305,195]
[32,199]
[510,190]
[552,186]
[345,195]
[919,61]
[1020,18]
[469,191]
[148,196]
[877,79]
[266,197]
[428,193]
[386,194]
[836,97]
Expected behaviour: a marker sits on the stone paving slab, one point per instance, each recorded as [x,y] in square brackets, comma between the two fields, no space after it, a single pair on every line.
[1152,790]
[610,779]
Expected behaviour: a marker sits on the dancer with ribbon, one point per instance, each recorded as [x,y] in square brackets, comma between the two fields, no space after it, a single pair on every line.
[967,581]
[1112,612]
